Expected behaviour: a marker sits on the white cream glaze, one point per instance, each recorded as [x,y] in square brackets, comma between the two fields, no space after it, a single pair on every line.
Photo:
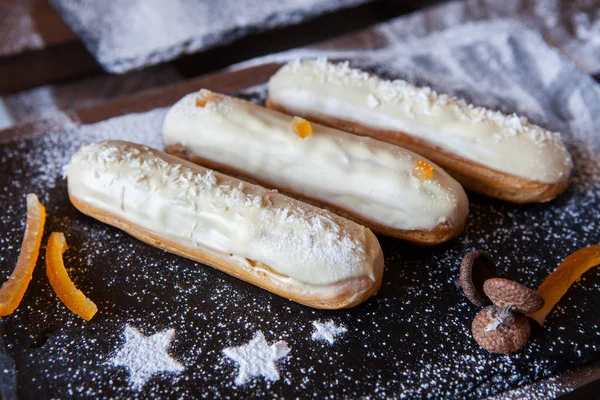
[363,176]
[306,247]
[506,143]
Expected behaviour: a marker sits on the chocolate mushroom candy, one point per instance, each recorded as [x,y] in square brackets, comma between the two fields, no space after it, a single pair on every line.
[500,331]
[506,293]
[475,268]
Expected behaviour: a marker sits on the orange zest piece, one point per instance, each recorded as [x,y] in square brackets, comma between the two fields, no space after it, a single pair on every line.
[301,127]
[203,97]
[14,288]
[422,170]
[64,288]
[558,282]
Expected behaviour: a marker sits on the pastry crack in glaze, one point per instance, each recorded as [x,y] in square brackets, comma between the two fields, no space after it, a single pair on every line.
[507,143]
[292,242]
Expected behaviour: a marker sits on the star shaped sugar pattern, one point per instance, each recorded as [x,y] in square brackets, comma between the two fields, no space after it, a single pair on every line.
[327,331]
[257,358]
[145,356]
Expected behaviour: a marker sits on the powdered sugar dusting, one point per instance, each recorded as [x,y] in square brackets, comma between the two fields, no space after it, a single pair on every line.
[550,388]
[257,358]
[327,331]
[412,340]
[33,104]
[144,356]
[418,325]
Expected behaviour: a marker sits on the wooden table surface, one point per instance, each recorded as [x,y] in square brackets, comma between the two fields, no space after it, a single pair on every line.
[37,48]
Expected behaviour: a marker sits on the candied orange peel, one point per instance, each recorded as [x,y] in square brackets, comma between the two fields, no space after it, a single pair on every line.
[62,284]
[14,288]
[203,97]
[422,170]
[558,282]
[301,127]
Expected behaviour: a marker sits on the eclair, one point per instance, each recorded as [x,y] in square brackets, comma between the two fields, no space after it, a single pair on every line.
[283,245]
[502,156]
[391,190]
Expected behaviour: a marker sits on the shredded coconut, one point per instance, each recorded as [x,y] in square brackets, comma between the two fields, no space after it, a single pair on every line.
[372,101]
[408,96]
[320,237]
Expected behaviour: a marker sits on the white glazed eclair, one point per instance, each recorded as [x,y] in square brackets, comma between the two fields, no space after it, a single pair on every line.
[278,243]
[503,156]
[389,189]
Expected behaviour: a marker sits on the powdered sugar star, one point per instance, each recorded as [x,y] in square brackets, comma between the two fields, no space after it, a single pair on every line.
[257,358]
[327,331]
[144,356]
